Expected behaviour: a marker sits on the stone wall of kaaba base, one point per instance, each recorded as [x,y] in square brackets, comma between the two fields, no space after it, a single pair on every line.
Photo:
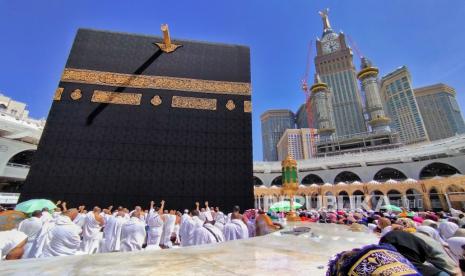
[177,126]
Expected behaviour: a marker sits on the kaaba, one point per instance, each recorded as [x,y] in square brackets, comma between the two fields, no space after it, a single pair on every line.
[137,118]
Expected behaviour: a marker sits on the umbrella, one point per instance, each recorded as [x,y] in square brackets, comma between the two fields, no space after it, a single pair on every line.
[10,219]
[284,206]
[35,204]
[392,208]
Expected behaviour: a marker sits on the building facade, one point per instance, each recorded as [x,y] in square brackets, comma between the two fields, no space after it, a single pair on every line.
[301,118]
[334,64]
[402,107]
[13,108]
[19,136]
[274,124]
[440,111]
[297,143]
[431,174]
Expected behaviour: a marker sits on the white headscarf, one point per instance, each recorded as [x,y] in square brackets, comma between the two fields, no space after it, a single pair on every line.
[430,231]
[455,245]
[447,229]
[429,222]
[9,240]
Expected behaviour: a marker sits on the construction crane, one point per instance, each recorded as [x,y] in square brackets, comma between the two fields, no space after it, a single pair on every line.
[306,88]
[354,46]
[308,99]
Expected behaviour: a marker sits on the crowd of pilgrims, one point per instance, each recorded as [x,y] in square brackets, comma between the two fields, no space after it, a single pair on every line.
[77,231]
[433,243]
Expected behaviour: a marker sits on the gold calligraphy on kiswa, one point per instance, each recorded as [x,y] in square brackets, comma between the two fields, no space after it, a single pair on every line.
[193,103]
[100,96]
[155,82]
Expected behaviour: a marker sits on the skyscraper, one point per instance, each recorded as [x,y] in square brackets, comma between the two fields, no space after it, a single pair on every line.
[274,123]
[297,143]
[440,111]
[301,119]
[397,93]
[334,64]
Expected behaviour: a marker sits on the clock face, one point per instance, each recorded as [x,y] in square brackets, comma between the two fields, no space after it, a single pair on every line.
[329,36]
[331,46]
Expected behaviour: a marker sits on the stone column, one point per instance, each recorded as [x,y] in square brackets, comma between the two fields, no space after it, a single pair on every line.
[449,205]
[405,201]
[351,202]
[426,201]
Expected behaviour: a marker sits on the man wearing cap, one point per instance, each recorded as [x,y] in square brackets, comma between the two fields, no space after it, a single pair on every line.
[12,244]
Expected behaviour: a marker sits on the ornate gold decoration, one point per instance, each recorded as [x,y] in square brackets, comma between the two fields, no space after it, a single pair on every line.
[369,71]
[155,82]
[194,103]
[380,120]
[156,100]
[76,94]
[230,105]
[324,17]
[167,46]
[100,96]
[319,87]
[58,92]
[247,106]
[290,185]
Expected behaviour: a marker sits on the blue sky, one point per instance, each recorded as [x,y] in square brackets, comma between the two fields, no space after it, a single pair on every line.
[426,35]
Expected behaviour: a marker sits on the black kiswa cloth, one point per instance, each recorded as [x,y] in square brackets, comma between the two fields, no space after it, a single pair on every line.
[97,153]
[126,53]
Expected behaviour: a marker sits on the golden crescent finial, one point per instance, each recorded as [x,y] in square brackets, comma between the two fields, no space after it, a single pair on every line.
[324,16]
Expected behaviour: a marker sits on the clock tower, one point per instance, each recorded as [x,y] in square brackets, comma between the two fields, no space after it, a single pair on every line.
[334,64]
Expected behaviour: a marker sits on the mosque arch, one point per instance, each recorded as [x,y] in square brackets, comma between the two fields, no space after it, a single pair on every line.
[312,179]
[358,197]
[347,176]
[389,173]
[395,197]
[375,197]
[455,189]
[435,199]
[23,158]
[414,199]
[437,169]
[277,181]
[257,181]
[344,197]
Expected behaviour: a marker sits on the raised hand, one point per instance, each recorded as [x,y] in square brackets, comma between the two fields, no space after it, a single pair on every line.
[206,203]
[162,202]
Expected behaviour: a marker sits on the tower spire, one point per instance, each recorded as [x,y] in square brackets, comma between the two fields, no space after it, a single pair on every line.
[324,17]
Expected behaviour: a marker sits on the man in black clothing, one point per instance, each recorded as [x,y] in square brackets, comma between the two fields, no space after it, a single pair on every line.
[417,251]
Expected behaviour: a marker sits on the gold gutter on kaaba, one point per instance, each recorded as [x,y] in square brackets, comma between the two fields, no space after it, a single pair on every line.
[155,82]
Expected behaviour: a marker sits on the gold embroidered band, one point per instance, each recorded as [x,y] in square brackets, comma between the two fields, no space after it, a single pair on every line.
[58,93]
[247,106]
[116,98]
[194,103]
[155,82]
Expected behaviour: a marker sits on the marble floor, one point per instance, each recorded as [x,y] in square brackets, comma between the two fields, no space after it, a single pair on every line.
[274,254]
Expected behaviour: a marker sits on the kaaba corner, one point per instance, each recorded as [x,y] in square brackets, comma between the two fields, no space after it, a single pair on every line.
[137,118]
